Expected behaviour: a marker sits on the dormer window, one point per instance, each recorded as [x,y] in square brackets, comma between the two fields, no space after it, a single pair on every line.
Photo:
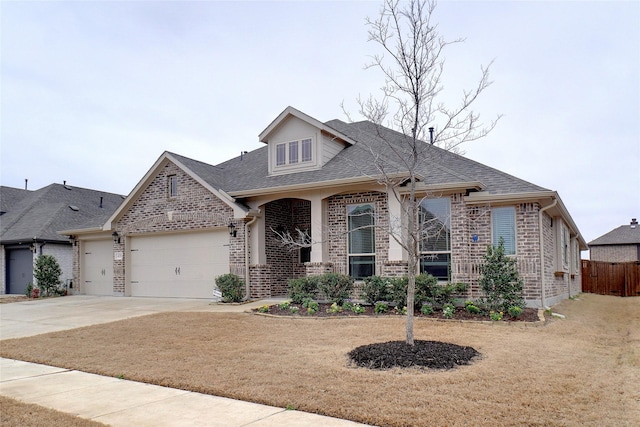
[294,152]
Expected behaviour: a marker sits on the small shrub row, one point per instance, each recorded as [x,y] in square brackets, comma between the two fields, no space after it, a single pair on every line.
[333,287]
[394,290]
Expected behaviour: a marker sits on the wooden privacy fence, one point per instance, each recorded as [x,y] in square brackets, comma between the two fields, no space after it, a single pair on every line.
[611,278]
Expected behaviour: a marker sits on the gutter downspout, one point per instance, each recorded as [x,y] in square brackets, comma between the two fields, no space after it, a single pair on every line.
[542,281]
[246,257]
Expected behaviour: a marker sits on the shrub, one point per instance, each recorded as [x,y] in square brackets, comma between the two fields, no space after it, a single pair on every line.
[263,309]
[472,309]
[496,316]
[515,311]
[335,287]
[335,308]
[284,305]
[375,288]
[28,290]
[447,311]
[47,272]
[302,288]
[499,280]
[426,309]
[381,307]
[402,310]
[231,286]
[311,306]
[357,309]
[294,309]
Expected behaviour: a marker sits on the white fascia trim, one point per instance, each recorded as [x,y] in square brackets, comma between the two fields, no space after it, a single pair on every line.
[304,117]
[446,187]
[91,230]
[344,182]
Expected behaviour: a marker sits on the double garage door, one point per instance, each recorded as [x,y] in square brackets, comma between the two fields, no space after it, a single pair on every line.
[178,265]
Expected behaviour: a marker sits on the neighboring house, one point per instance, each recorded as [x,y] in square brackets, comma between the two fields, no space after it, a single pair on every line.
[187,222]
[29,225]
[621,244]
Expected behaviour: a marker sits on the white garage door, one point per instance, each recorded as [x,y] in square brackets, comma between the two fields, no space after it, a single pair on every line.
[97,267]
[178,265]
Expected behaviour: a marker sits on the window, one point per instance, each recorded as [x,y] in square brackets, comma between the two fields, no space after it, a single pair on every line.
[504,225]
[294,152]
[565,245]
[172,185]
[305,254]
[360,223]
[281,154]
[435,237]
[306,150]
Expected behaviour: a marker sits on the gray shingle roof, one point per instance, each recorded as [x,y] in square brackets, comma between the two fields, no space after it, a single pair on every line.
[438,166]
[44,212]
[623,235]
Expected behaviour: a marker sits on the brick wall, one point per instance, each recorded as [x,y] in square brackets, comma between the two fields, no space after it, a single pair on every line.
[3,271]
[337,227]
[193,208]
[63,253]
[615,253]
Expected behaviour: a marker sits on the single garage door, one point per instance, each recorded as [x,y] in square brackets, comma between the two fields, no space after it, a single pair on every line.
[97,267]
[178,265]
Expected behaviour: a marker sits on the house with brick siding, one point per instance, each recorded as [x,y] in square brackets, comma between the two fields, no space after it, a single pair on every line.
[187,221]
[622,244]
[29,225]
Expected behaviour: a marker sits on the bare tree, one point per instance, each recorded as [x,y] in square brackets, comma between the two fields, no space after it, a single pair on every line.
[413,64]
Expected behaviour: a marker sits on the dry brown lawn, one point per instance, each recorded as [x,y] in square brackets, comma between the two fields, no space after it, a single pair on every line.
[582,370]
[18,414]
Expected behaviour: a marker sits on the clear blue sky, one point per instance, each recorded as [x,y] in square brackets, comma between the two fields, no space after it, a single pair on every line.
[93,92]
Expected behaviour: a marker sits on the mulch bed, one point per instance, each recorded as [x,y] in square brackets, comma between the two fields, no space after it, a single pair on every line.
[423,354]
[528,314]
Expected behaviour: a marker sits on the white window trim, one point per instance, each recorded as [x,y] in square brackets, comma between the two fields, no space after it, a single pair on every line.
[172,186]
[515,230]
[447,252]
[300,163]
[349,253]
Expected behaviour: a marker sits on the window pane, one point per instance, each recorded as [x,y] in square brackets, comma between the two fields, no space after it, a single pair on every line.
[306,150]
[504,225]
[361,231]
[435,226]
[293,152]
[281,150]
[173,186]
[437,265]
[361,266]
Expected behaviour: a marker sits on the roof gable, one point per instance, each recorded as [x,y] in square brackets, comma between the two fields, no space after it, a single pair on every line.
[209,176]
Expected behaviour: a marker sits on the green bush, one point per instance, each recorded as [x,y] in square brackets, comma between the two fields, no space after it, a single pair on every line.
[28,289]
[47,272]
[426,309]
[335,287]
[515,311]
[499,280]
[311,306]
[376,288]
[381,307]
[302,288]
[448,311]
[231,286]
[472,309]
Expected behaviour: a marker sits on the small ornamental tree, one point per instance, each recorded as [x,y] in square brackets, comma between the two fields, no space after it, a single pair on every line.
[500,281]
[47,272]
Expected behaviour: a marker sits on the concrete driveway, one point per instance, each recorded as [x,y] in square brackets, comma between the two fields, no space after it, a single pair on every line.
[27,318]
[117,402]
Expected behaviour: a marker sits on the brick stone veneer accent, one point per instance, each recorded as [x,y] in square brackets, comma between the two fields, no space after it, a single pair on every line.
[260,281]
[193,208]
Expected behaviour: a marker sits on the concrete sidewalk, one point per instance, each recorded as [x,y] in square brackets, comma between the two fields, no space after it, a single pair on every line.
[125,403]
[120,402]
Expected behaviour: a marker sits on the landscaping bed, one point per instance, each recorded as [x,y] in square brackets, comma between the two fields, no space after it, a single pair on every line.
[325,310]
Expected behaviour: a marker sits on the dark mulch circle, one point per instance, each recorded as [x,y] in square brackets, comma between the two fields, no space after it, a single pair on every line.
[423,354]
